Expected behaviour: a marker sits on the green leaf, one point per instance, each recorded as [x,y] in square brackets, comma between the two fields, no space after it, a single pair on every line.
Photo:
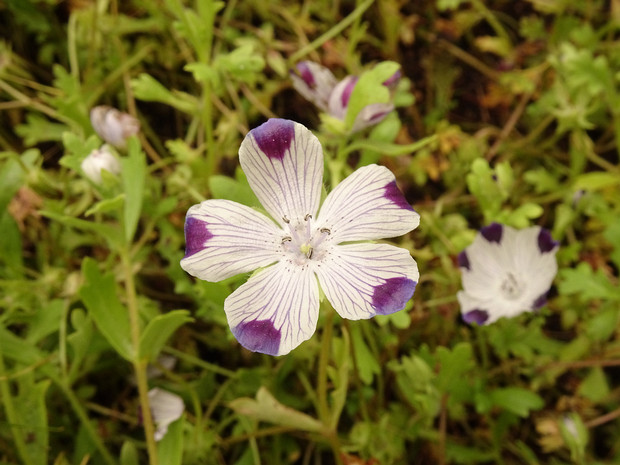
[243,63]
[369,89]
[129,454]
[10,247]
[99,295]
[170,448]
[587,284]
[158,330]
[266,408]
[133,175]
[106,205]
[31,409]
[517,400]
[595,386]
[224,187]
[453,365]
[105,231]
[596,181]
[18,349]
[367,364]
[148,89]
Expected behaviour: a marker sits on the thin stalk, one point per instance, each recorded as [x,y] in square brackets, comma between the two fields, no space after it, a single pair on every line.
[324,414]
[333,32]
[139,363]
[11,415]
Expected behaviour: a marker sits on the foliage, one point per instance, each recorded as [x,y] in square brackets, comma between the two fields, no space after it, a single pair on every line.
[507,111]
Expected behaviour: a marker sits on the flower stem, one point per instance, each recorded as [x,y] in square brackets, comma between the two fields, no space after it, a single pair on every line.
[139,363]
[324,414]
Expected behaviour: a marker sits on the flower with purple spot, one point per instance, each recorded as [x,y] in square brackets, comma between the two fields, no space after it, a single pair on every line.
[296,250]
[506,272]
[318,85]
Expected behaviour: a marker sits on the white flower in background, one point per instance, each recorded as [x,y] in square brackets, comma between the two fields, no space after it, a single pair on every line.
[506,272]
[166,407]
[277,308]
[99,160]
[317,84]
[113,126]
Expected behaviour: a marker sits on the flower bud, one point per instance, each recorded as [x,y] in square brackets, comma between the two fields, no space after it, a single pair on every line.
[98,160]
[113,126]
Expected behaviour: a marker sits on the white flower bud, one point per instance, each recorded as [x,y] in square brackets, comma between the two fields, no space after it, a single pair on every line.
[166,407]
[113,126]
[98,160]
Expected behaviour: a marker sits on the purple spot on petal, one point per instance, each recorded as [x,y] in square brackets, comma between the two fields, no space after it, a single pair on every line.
[306,74]
[258,336]
[393,193]
[393,295]
[463,260]
[492,232]
[546,242]
[196,234]
[476,316]
[393,79]
[346,93]
[274,137]
[540,301]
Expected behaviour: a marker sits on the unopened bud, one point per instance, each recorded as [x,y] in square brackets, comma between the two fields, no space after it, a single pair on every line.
[113,126]
[98,160]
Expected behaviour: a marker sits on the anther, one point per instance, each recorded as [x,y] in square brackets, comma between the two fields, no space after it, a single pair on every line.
[286,239]
[285,219]
[325,230]
[309,254]
[307,217]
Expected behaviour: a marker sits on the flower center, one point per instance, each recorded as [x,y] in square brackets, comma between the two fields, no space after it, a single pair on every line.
[511,288]
[304,240]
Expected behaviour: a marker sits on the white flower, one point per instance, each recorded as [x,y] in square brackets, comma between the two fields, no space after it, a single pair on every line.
[98,160]
[317,84]
[506,272]
[113,126]
[166,407]
[277,308]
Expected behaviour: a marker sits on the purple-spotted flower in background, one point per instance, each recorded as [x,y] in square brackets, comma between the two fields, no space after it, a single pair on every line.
[506,272]
[113,126]
[296,250]
[317,84]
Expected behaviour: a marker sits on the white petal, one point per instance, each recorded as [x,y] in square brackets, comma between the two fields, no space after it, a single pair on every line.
[339,99]
[166,407]
[224,238]
[100,160]
[314,82]
[283,162]
[371,115]
[364,280]
[275,310]
[367,205]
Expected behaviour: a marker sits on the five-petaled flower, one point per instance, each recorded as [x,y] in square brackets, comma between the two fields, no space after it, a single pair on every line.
[296,249]
[317,84]
[506,272]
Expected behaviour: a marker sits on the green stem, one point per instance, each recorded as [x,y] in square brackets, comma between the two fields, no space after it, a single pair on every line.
[324,414]
[139,363]
[333,32]
[11,415]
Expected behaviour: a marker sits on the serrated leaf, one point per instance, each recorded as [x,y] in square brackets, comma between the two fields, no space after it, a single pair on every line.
[159,330]
[588,284]
[99,295]
[369,89]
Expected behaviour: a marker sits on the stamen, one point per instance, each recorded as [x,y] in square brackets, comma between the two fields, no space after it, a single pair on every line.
[309,254]
[286,239]
[325,230]
[307,217]
[285,219]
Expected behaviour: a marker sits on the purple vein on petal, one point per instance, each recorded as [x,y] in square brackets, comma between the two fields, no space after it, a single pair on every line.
[393,193]
[274,137]
[196,235]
